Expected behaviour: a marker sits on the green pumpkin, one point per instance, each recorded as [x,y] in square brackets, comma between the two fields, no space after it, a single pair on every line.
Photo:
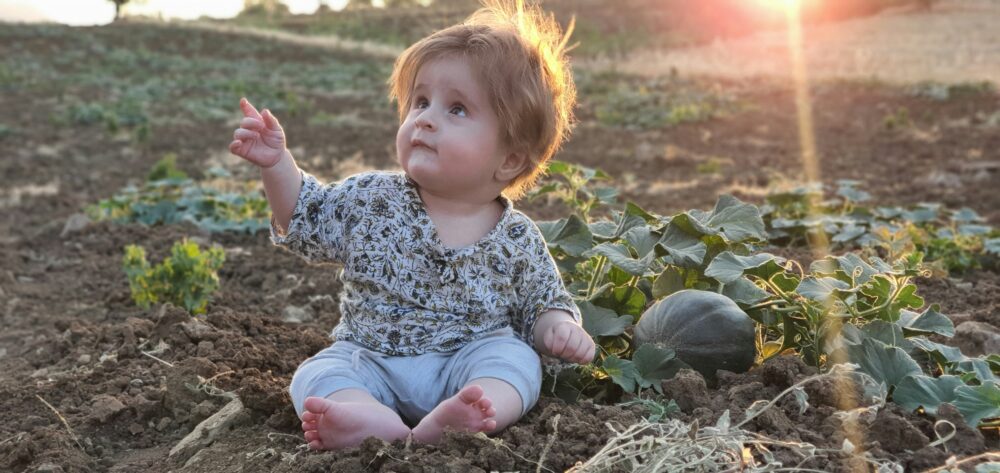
[708,331]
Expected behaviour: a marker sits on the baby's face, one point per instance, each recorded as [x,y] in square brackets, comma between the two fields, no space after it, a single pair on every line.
[450,140]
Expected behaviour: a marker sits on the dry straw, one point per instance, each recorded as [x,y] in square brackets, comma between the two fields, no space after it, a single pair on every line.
[677,446]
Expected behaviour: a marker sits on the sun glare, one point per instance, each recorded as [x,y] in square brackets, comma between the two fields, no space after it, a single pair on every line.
[783,5]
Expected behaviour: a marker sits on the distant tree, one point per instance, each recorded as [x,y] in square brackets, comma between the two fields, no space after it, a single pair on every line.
[118,7]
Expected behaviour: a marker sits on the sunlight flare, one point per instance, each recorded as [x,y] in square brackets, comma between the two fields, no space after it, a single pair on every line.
[810,165]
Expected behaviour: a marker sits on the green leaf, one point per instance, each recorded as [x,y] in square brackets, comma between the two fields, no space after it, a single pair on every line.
[603,229]
[736,220]
[908,298]
[606,195]
[849,335]
[992,246]
[978,402]
[821,289]
[965,215]
[977,366]
[620,257]
[629,300]
[559,167]
[654,364]
[942,353]
[848,233]
[856,268]
[569,234]
[986,467]
[601,322]
[668,282]
[617,276]
[684,249]
[744,291]
[642,239]
[622,372]
[728,267]
[923,391]
[973,229]
[888,333]
[931,321]
[633,209]
[787,282]
[854,195]
[884,363]
[731,219]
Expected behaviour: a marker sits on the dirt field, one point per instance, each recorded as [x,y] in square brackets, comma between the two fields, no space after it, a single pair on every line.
[74,339]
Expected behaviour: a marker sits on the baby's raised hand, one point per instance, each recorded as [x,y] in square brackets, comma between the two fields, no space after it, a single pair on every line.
[569,341]
[260,138]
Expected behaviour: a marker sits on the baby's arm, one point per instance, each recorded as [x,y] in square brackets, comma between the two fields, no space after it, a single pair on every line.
[550,320]
[261,140]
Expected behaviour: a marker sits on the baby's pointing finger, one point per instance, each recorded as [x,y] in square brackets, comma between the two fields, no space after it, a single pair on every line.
[248,109]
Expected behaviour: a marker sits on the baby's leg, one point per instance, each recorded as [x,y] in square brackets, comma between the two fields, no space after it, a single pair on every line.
[348,417]
[493,372]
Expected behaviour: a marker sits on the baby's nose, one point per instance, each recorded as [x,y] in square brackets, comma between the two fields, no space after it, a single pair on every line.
[424,121]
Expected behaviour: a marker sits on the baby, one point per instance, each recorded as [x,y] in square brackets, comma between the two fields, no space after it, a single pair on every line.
[449,293]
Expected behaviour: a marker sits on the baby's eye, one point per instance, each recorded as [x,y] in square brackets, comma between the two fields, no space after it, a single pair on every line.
[419,102]
[458,107]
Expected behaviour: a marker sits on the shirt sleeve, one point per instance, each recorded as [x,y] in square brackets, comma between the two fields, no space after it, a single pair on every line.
[316,231]
[541,287]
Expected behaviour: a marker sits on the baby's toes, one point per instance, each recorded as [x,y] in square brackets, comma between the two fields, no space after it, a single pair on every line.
[307,426]
[484,403]
[309,416]
[311,436]
[490,412]
[489,425]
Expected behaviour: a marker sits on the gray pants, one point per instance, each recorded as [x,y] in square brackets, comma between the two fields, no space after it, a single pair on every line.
[415,385]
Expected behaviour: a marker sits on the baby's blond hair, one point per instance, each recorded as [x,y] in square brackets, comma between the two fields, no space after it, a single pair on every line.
[519,54]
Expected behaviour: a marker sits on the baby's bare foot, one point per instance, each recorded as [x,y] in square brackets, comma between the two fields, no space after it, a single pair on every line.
[329,425]
[468,411]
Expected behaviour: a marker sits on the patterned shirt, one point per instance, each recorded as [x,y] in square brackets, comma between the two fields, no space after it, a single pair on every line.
[404,292]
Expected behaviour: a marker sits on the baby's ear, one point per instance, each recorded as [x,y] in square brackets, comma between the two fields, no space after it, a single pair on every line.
[513,165]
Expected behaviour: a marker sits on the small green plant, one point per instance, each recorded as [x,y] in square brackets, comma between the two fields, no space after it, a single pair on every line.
[166,168]
[712,166]
[186,279]
[898,120]
[574,186]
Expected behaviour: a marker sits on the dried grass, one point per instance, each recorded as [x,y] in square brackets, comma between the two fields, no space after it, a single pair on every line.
[649,447]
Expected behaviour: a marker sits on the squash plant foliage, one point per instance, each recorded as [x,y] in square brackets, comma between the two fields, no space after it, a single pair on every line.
[854,308]
[170,196]
[952,241]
